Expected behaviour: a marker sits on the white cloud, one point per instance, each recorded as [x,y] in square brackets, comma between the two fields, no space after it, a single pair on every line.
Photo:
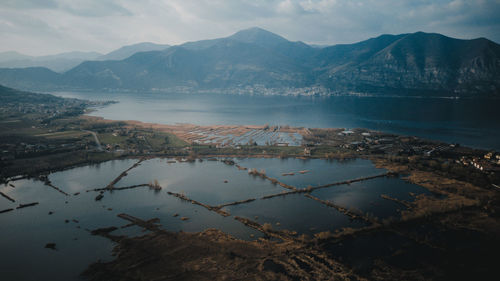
[43,27]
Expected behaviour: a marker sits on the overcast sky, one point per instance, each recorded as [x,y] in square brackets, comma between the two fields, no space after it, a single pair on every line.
[39,27]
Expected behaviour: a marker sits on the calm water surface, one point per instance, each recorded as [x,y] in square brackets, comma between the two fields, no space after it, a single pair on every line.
[26,231]
[472,122]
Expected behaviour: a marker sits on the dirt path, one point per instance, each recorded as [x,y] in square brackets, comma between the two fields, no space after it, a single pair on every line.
[97,142]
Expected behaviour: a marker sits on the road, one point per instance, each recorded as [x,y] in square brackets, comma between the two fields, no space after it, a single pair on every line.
[97,142]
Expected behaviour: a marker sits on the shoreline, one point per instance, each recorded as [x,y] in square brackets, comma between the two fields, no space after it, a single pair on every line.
[185,133]
[298,94]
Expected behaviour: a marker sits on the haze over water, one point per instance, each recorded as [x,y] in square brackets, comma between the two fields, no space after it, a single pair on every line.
[471,122]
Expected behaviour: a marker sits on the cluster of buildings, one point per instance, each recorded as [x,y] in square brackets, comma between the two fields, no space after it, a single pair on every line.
[490,162]
[392,145]
[40,111]
[380,143]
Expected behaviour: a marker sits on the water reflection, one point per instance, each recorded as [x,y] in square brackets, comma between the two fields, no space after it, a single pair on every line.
[66,220]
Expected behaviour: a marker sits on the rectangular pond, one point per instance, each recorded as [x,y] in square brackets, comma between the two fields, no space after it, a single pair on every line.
[67,220]
[366,196]
[314,171]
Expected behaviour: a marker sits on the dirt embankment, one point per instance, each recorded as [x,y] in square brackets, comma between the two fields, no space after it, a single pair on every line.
[213,255]
[449,195]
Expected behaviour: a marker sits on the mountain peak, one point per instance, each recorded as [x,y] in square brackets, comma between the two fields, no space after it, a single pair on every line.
[427,35]
[258,35]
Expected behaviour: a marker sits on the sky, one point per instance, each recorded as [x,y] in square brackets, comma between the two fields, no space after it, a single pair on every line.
[42,27]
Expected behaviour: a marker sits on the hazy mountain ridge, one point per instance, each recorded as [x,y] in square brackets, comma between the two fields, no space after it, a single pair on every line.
[126,51]
[58,63]
[254,58]
[66,61]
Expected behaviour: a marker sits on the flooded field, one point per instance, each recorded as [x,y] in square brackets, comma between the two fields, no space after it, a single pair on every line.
[237,136]
[193,196]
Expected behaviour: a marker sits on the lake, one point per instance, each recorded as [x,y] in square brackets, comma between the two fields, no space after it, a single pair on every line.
[471,122]
[67,220]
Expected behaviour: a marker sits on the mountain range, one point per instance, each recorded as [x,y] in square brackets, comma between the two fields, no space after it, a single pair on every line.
[65,61]
[58,63]
[256,60]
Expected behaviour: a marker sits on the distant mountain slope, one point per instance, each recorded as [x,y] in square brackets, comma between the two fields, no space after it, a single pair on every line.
[422,61]
[9,95]
[31,78]
[262,58]
[255,60]
[339,55]
[59,62]
[126,51]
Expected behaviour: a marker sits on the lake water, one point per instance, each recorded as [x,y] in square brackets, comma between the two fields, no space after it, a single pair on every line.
[26,231]
[471,122]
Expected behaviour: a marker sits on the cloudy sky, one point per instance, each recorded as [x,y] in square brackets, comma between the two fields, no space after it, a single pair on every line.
[39,27]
